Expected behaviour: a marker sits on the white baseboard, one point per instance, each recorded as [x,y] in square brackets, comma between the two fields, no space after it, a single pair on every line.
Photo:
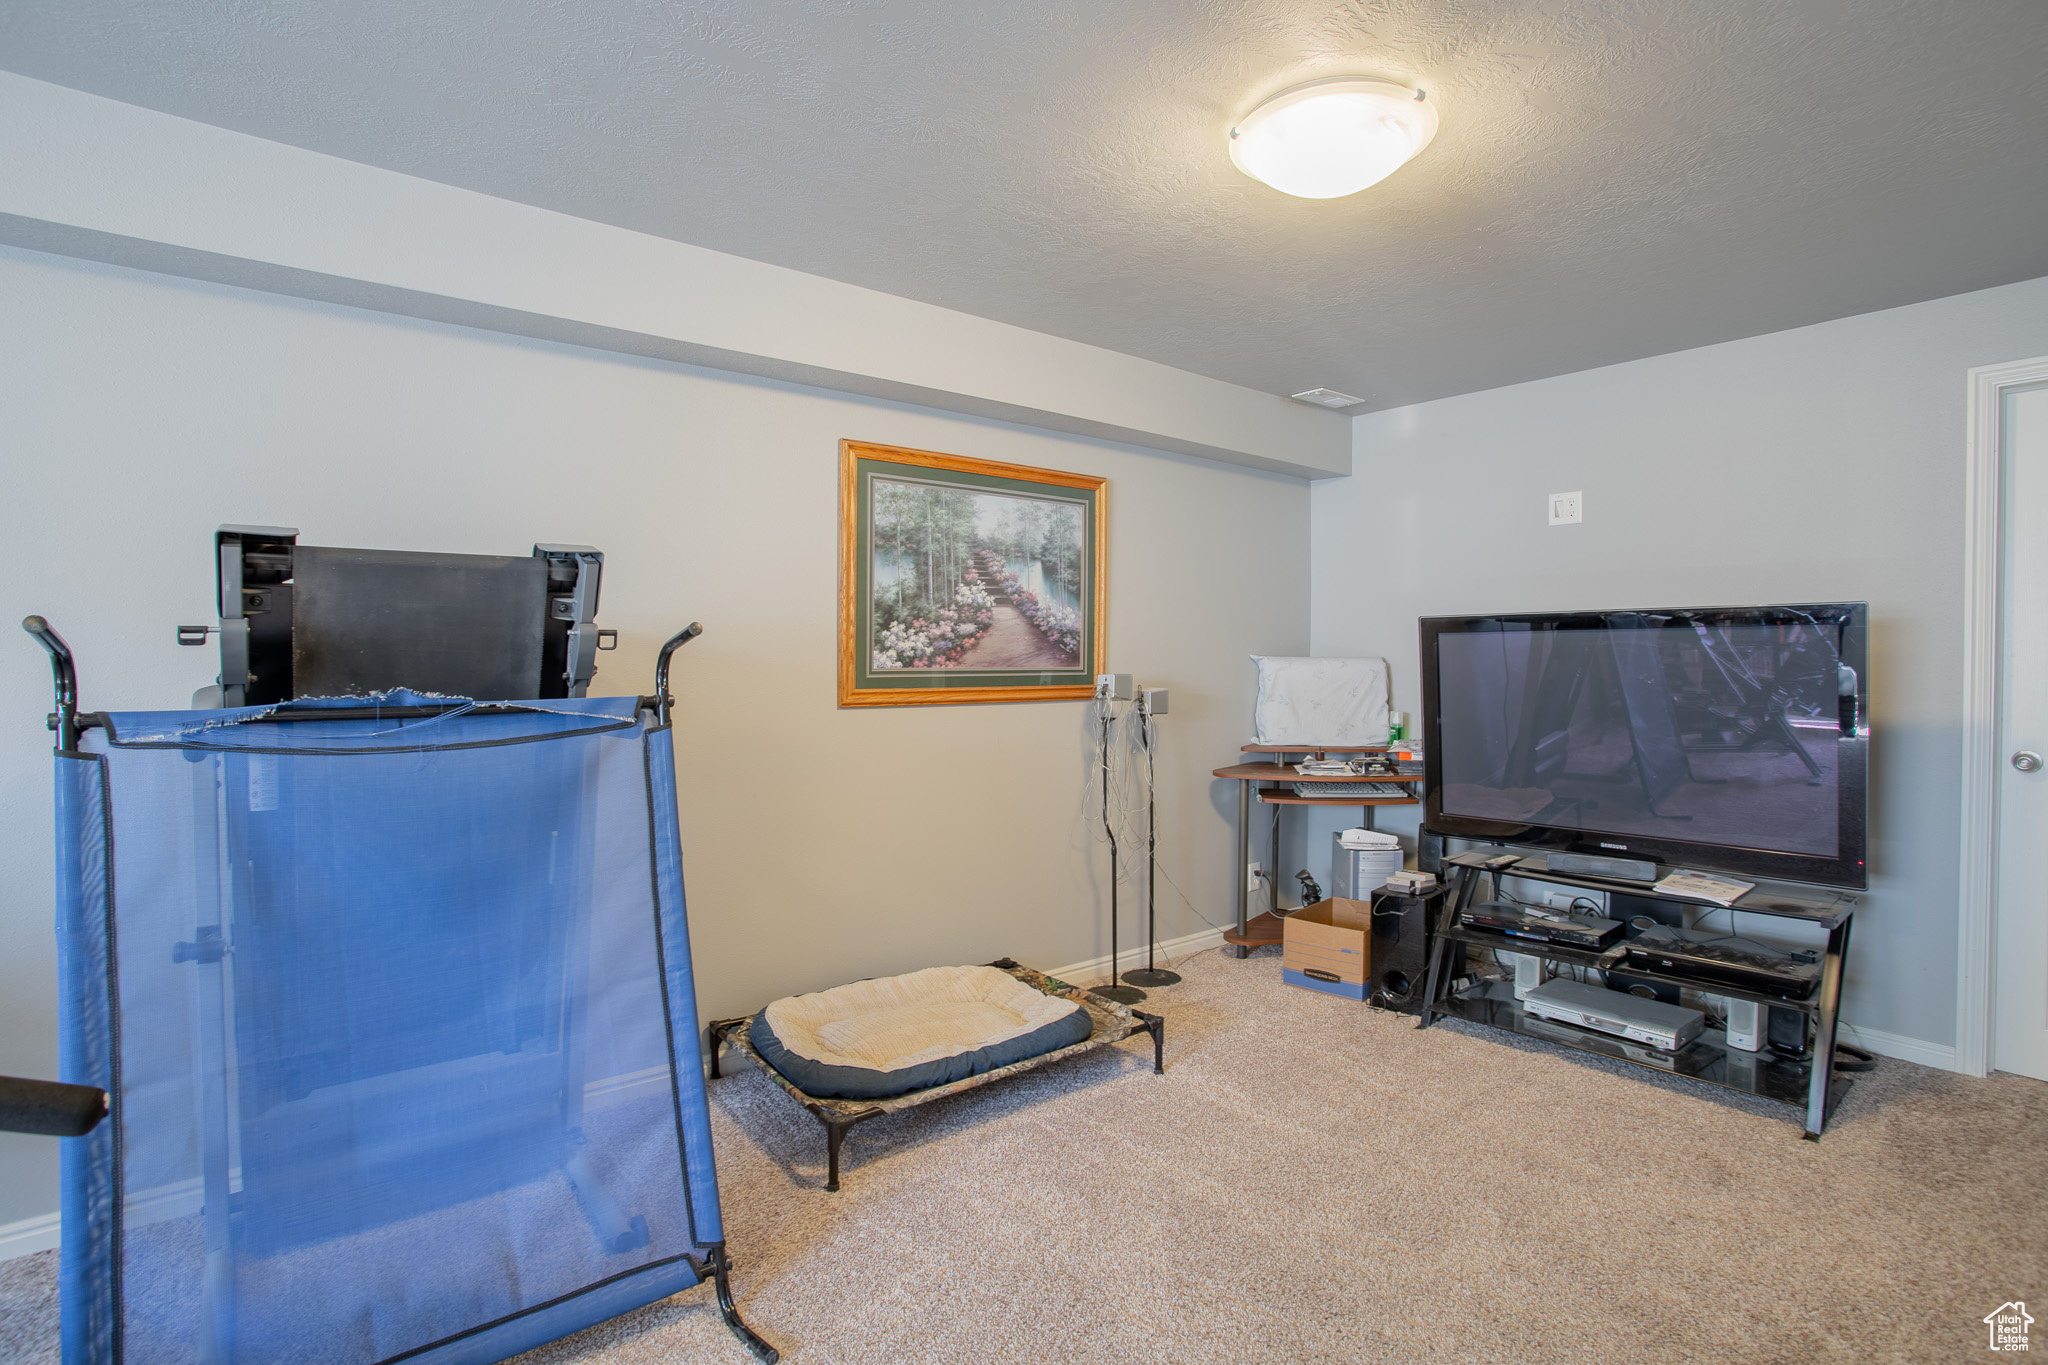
[1940,1055]
[178,1200]
[1097,968]
[28,1236]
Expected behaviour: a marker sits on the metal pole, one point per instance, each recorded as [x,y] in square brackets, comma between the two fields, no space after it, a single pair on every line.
[1244,861]
[1123,995]
[1150,974]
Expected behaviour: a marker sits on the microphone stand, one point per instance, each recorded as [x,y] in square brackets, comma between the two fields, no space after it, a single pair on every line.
[1123,995]
[1151,974]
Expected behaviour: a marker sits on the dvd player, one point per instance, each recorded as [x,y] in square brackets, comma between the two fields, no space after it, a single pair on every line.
[1544,926]
[1538,1027]
[1668,1027]
[1724,960]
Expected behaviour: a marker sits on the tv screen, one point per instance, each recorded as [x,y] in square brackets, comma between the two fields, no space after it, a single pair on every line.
[1725,738]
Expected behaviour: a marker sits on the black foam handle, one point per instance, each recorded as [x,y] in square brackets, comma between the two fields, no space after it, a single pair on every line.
[65,676]
[50,1108]
[662,700]
[682,637]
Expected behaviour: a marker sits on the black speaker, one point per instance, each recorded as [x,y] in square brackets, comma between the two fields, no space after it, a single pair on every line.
[1429,852]
[1787,1032]
[1400,951]
[1638,914]
[1628,909]
[1643,987]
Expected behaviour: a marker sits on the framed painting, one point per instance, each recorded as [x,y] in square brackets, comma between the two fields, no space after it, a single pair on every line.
[966,580]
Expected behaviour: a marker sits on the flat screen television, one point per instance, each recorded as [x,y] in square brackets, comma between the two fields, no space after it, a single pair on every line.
[1729,739]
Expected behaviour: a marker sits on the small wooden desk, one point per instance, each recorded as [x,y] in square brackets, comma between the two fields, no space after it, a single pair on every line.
[1276,765]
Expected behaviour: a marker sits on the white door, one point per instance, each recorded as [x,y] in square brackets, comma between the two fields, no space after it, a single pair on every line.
[2019,1022]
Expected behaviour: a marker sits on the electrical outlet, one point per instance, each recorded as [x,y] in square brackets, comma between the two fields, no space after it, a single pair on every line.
[1567,509]
[1114,687]
[1251,877]
[1558,900]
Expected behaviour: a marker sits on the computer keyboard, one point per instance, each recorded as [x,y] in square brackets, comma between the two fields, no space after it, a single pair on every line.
[1357,789]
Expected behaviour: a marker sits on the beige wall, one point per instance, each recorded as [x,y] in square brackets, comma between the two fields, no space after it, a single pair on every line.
[138,411]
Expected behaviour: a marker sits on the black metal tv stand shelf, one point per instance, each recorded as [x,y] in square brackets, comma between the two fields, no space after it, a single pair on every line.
[1809,1081]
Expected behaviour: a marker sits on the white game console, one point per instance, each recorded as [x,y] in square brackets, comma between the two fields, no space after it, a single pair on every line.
[1669,1027]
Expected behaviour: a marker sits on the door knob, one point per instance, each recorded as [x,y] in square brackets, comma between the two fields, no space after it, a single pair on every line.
[2027,761]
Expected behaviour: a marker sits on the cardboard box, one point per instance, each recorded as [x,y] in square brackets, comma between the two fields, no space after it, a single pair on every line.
[1328,947]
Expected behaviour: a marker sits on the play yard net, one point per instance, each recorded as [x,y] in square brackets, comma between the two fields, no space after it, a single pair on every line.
[395,1005]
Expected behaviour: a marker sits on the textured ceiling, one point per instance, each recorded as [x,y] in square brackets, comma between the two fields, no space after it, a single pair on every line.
[1613,178]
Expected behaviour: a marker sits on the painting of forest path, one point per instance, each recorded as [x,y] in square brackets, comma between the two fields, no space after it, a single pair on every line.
[962,578]
[1011,641]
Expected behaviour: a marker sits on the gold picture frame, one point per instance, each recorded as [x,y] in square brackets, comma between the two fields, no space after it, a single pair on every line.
[965,580]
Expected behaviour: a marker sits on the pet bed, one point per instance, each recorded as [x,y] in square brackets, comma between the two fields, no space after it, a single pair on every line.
[823,1049]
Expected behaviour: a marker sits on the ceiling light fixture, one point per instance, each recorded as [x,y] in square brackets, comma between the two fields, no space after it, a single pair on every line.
[1334,137]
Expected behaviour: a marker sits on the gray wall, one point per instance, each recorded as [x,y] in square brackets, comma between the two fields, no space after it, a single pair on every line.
[1824,463]
[822,845]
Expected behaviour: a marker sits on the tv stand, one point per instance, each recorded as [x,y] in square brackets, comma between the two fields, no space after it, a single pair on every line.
[1809,1082]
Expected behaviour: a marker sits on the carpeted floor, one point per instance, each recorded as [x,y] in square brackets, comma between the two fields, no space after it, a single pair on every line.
[1313,1181]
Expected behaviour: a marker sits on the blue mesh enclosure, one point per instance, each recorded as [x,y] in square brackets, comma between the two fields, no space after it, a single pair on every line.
[397,1014]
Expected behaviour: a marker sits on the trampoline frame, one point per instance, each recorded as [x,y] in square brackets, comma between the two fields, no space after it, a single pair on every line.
[1114,1022]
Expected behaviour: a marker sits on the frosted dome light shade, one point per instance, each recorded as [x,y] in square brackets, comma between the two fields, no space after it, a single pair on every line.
[1331,138]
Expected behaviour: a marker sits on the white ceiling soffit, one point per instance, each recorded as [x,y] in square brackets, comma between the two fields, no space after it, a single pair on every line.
[1613,178]
[98,179]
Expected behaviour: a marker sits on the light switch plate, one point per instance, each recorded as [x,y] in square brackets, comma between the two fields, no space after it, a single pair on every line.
[1567,509]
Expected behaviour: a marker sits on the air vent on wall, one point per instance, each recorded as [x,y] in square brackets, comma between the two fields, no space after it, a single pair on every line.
[1326,398]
